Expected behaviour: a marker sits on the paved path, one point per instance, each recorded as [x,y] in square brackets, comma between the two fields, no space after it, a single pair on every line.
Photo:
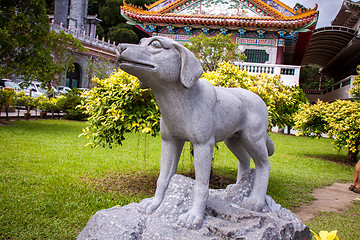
[328,199]
[14,115]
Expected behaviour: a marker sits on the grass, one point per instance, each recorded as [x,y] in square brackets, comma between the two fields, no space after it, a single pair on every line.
[51,184]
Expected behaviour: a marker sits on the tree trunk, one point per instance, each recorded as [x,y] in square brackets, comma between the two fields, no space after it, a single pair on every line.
[7,113]
[352,156]
[288,129]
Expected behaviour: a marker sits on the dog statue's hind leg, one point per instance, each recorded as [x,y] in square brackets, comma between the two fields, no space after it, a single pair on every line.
[257,149]
[236,147]
[170,155]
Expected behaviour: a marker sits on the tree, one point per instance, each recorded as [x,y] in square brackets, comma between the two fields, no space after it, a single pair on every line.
[27,47]
[212,50]
[114,27]
[311,78]
[122,34]
[100,67]
[339,119]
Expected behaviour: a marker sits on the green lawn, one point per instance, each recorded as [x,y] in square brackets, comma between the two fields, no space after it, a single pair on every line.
[51,184]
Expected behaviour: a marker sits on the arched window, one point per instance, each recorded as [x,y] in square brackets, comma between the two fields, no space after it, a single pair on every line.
[73,78]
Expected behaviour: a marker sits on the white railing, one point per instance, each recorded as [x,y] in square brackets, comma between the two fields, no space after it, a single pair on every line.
[82,37]
[289,74]
[339,90]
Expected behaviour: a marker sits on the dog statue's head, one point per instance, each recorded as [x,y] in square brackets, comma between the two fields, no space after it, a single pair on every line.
[158,60]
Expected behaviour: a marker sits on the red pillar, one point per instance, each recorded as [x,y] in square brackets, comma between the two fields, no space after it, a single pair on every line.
[280,51]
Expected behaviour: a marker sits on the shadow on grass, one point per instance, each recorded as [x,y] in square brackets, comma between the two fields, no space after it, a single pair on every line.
[143,183]
[337,158]
[127,183]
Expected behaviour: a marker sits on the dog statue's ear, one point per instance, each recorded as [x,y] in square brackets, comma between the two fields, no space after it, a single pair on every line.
[191,69]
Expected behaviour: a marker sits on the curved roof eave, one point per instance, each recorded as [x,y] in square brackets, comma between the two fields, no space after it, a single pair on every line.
[326,43]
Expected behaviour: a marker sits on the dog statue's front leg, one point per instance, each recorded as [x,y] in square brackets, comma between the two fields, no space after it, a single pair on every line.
[170,155]
[202,162]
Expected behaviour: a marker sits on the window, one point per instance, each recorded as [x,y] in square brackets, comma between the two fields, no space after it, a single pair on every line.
[256,56]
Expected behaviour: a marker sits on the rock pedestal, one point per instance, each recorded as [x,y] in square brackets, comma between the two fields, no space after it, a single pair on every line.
[224,219]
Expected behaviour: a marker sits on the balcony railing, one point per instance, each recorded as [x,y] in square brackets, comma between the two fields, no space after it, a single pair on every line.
[289,74]
[82,37]
[339,90]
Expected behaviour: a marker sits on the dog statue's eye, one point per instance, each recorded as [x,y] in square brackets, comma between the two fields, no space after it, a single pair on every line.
[156,44]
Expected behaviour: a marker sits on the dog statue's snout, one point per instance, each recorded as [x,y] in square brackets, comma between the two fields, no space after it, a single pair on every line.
[119,49]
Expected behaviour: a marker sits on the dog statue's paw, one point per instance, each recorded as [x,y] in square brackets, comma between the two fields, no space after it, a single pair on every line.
[191,220]
[148,205]
[253,204]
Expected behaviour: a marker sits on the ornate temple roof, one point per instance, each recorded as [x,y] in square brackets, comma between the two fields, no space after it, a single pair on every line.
[225,13]
[348,14]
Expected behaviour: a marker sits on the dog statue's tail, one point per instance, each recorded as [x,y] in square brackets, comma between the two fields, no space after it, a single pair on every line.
[270,146]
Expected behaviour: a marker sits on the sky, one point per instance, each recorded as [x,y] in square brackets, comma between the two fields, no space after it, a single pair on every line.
[328,9]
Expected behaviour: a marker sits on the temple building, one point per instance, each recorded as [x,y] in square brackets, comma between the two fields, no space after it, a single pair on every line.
[272,35]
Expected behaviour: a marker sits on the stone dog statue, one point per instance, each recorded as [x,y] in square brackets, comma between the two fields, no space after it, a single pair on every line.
[194,110]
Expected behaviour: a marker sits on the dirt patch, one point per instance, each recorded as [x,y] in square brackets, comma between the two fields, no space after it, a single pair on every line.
[132,183]
[5,123]
[143,183]
[328,199]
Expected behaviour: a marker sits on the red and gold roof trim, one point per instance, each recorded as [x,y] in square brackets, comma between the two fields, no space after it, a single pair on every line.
[297,21]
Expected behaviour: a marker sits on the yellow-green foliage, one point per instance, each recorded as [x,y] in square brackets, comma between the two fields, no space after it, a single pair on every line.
[7,97]
[117,105]
[355,91]
[339,119]
[282,101]
[44,103]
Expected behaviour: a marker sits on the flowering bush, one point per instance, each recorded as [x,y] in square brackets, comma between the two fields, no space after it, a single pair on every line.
[339,119]
[116,106]
[282,101]
[355,91]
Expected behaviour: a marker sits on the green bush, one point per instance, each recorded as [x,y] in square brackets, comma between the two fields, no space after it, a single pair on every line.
[339,119]
[7,99]
[282,101]
[44,104]
[118,106]
[69,102]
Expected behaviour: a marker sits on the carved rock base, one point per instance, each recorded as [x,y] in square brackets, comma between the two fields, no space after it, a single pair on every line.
[224,219]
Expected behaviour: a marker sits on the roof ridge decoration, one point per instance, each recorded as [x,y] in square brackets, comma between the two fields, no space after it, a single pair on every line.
[233,8]
[274,8]
[135,10]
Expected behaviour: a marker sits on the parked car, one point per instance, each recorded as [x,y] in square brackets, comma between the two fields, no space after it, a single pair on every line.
[7,83]
[63,89]
[35,89]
